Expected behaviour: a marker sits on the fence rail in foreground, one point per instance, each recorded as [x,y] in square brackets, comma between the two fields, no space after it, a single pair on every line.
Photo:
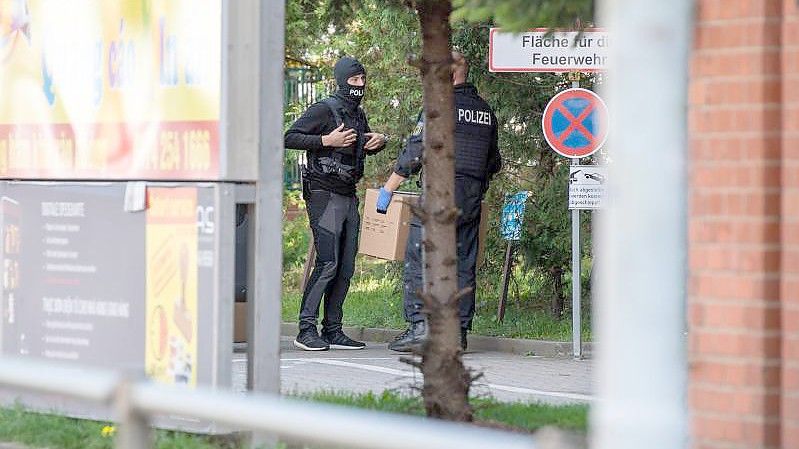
[291,420]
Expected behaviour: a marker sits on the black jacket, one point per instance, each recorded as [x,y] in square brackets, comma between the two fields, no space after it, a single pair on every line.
[333,169]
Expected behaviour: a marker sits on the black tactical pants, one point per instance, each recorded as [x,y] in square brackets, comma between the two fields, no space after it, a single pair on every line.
[335,223]
[468,195]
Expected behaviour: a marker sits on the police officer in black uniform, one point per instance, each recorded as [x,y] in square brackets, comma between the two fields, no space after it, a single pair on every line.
[337,138]
[477,159]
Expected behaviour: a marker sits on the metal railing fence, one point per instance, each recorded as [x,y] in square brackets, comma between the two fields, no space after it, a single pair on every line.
[303,86]
[136,401]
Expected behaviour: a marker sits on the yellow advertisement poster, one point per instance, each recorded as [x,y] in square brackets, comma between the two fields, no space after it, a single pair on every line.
[171,270]
[111,89]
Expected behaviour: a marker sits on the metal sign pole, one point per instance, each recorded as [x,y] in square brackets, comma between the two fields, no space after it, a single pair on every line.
[264,334]
[577,346]
[506,272]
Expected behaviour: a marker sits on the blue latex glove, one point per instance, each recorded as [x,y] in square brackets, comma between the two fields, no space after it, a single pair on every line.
[383,200]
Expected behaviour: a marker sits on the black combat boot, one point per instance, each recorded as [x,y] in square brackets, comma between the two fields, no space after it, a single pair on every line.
[410,339]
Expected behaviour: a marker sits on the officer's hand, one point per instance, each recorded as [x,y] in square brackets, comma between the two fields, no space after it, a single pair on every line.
[376,140]
[339,138]
[383,200]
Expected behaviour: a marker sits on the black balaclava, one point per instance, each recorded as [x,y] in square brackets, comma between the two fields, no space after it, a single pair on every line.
[345,68]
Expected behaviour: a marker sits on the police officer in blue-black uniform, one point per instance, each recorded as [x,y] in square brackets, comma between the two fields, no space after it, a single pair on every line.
[477,159]
[336,135]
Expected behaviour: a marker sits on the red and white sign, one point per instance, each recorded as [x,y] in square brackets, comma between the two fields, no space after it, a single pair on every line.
[540,51]
[575,123]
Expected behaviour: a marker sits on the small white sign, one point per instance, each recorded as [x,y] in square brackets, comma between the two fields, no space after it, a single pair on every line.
[560,51]
[587,186]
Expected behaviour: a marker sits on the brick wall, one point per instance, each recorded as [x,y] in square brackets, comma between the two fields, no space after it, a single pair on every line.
[744,225]
[790,225]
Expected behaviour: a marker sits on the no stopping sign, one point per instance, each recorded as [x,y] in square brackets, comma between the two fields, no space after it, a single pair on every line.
[575,123]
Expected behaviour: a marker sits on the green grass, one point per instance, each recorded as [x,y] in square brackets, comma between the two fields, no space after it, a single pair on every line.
[533,416]
[523,416]
[375,300]
[525,323]
[56,432]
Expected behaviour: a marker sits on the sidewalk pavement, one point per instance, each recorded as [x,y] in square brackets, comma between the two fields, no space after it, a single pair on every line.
[506,377]
[476,342]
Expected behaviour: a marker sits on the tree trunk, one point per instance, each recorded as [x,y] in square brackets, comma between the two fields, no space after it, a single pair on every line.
[446,380]
[558,301]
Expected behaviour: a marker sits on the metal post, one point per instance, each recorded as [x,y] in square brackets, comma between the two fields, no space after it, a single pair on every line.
[577,339]
[134,427]
[506,273]
[264,336]
[640,308]
[224,297]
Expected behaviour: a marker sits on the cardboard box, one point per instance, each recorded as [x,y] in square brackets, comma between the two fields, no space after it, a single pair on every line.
[240,322]
[384,236]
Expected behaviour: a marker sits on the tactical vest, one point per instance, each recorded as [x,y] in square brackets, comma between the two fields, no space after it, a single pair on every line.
[474,124]
[347,163]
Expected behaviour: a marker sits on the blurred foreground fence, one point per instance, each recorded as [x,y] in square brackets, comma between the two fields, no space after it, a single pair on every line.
[137,402]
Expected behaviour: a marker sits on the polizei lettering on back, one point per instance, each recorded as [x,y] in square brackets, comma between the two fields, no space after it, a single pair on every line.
[476,117]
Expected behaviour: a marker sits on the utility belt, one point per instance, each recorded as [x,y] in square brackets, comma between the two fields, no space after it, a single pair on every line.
[333,165]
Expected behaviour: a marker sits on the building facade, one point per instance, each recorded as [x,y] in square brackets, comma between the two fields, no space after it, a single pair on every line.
[743,225]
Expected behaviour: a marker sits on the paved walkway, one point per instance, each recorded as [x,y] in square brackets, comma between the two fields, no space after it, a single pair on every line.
[506,377]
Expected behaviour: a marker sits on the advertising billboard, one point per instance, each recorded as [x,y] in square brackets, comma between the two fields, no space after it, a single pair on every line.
[84,281]
[123,89]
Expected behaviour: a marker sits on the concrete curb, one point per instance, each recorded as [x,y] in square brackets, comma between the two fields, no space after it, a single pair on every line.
[8,445]
[518,346]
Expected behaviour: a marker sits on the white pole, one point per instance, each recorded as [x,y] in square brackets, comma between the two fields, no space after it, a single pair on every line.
[641,364]
[577,343]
